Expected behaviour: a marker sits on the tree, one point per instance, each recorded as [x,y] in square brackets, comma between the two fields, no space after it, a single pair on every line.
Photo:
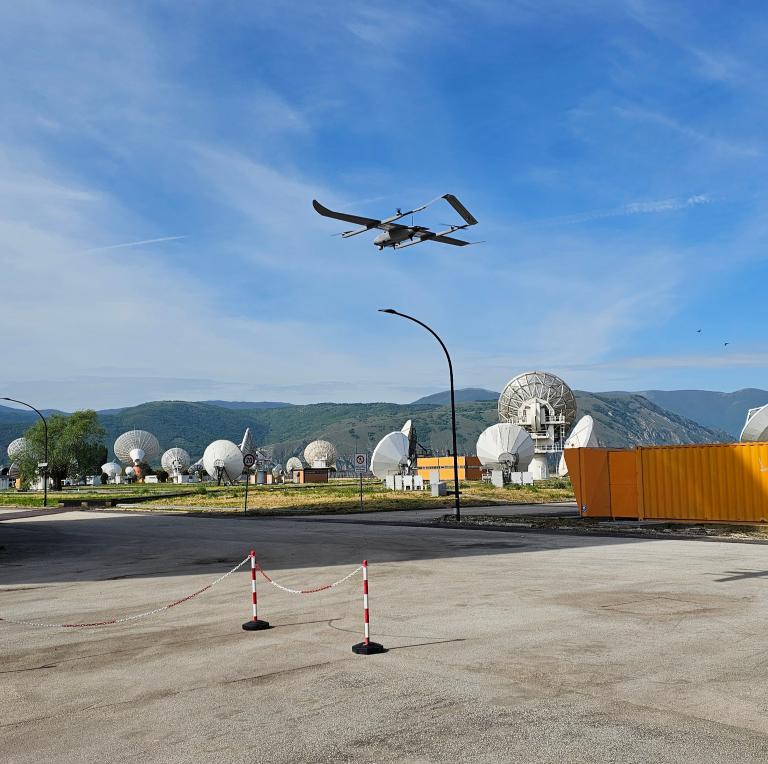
[75,447]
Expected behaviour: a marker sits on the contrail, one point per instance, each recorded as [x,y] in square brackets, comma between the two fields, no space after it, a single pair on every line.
[136,243]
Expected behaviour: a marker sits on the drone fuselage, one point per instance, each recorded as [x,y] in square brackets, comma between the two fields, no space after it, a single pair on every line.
[392,238]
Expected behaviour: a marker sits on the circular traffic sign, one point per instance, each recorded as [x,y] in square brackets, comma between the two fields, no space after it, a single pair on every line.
[249,460]
[360,460]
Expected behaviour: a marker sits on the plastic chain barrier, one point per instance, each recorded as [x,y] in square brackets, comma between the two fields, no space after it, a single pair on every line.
[115,621]
[308,591]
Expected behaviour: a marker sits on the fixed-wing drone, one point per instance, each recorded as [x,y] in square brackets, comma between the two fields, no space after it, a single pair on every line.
[396,235]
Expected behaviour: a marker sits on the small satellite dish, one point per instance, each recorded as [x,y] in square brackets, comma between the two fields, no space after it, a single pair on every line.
[293,464]
[582,436]
[505,446]
[755,428]
[14,471]
[410,432]
[246,446]
[223,460]
[111,470]
[175,460]
[390,455]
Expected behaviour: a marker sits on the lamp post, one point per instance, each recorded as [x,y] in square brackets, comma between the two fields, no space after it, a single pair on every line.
[393,312]
[45,426]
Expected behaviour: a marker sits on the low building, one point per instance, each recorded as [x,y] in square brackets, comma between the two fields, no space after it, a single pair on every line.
[311,475]
[470,467]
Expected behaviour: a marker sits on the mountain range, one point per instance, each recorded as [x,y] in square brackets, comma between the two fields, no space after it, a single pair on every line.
[622,419]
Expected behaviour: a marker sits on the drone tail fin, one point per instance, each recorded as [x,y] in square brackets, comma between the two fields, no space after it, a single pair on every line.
[460,208]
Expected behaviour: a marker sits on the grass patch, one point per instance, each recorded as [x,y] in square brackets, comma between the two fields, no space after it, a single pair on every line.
[344,496]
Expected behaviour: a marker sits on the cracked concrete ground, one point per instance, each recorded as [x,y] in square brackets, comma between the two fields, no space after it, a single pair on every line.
[502,647]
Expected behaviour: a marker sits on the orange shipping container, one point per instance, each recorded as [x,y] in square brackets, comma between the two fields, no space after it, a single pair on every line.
[721,482]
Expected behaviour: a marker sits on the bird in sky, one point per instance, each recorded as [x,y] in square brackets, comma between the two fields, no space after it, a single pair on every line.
[698,331]
[725,344]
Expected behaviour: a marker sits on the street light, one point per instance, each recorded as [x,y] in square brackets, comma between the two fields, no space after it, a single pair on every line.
[45,464]
[393,312]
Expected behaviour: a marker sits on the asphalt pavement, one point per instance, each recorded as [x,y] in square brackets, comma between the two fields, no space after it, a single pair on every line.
[502,647]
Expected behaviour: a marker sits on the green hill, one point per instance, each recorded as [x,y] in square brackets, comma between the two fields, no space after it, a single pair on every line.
[622,419]
[465,395]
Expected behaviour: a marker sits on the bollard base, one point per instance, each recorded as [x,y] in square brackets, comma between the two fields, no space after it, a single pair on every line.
[370,649]
[256,625]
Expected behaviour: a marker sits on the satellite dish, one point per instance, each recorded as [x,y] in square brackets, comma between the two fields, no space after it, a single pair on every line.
[546,407]
[582,436]
[410,432]
[246,446]
[223,460]
[175,460]
[197,467]
[111,470]
[293,464]
[14,471]
[16,448]
[755,428]
[390,455]
[515,399]
[278,470]
[136,441]
[505,445]
[320,453]
[130,471]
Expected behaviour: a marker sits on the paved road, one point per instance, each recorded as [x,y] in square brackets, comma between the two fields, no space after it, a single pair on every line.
[503,647]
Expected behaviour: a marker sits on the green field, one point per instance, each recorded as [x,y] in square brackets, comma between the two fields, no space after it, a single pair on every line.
[337,496]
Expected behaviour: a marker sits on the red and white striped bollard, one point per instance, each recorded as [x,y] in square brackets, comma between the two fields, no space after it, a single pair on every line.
[366,647]
[254,624]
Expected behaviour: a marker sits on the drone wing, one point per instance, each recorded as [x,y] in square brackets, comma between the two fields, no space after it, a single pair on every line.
[358,219]
[429,236]
[449,240]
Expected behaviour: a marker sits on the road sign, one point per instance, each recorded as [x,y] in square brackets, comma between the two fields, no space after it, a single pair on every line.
[42,465]
[361,462]
[249,460]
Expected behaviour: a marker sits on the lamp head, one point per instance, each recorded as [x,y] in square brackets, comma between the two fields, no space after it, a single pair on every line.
[392,311]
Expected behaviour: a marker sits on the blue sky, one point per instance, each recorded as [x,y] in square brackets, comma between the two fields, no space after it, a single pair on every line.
[613,152]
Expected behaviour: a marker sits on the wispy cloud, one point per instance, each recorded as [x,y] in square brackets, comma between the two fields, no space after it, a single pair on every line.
[726,145]
[634,208]
[135,243]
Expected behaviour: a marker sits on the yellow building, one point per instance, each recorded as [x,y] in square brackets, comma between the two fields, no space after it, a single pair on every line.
[469,467]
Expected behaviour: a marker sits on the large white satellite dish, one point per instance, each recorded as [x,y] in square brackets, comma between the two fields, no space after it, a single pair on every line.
[390,455]
[755,428]
[505,445]
[545,406]
[16,448]
[175,460]
[136,446]
[582,436]
[320,453]
[223,460]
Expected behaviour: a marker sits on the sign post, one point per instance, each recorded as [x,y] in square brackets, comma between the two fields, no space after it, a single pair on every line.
[361,467]
[248,462]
